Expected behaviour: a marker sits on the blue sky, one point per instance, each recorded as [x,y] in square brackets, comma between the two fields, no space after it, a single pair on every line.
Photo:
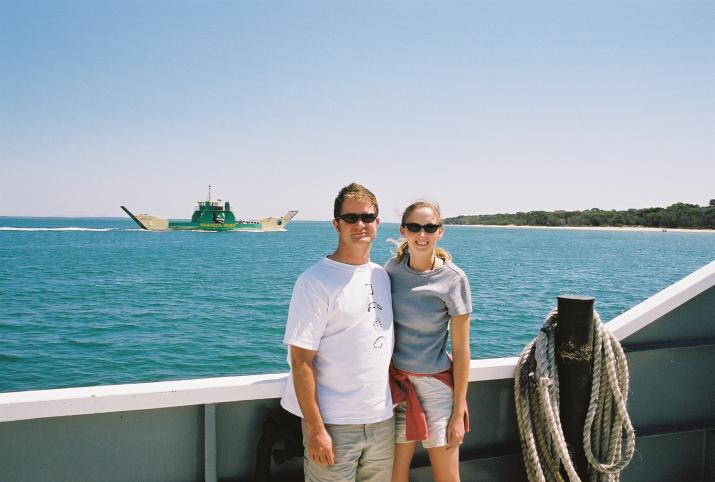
[483,107]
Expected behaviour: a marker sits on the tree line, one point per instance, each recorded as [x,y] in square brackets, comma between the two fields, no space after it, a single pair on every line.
[679,215]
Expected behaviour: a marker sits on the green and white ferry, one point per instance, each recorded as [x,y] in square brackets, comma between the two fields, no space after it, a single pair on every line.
[211,216]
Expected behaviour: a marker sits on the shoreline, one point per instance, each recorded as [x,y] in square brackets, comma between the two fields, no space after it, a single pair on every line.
[589,228]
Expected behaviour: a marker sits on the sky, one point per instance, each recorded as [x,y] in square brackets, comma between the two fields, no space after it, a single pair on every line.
[481,106]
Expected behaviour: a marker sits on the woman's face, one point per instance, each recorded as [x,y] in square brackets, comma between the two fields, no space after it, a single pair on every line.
[422,241]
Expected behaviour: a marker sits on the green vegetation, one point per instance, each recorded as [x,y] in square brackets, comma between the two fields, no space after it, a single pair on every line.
[679,215]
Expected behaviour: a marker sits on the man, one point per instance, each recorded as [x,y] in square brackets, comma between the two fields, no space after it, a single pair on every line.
[340,337]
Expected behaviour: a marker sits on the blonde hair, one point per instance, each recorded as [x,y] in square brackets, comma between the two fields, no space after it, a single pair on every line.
[354,191]
[402,248]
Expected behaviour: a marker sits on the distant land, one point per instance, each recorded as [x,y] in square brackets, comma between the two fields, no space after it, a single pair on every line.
[677,216]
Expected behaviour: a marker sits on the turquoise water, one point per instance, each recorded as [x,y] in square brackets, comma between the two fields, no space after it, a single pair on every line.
[95,301]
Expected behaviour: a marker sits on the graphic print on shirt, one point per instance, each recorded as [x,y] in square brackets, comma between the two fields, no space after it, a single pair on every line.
[374,306]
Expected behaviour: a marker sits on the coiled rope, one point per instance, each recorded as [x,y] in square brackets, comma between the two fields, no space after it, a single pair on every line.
[608,436]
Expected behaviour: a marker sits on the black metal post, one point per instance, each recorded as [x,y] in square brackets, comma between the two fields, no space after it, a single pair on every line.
[574,355]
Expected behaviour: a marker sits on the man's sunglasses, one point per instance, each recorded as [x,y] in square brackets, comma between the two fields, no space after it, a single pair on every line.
[352,218]
[416,228]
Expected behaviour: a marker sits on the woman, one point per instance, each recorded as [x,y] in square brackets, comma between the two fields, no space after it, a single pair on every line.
[429,293]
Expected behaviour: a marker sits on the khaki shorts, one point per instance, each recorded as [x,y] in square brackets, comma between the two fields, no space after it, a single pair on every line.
[437,402]
[363,453]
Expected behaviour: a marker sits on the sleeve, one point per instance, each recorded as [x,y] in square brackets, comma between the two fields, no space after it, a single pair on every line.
[390,265]
[306,315]
[459,296]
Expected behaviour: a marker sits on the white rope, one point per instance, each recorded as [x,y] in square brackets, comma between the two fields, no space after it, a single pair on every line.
[608,436]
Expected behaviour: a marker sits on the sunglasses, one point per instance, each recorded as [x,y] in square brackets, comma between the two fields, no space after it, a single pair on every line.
[416,228]
[352,218]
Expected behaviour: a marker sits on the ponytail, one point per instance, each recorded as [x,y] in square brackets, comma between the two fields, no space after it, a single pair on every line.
[403,251]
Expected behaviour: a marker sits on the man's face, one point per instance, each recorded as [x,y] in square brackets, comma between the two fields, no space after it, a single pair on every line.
[359,233]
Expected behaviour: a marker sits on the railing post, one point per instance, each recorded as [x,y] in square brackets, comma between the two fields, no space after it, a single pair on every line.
[210,466]
[574,354]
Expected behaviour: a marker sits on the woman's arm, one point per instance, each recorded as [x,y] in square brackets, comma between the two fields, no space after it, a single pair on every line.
[460,366]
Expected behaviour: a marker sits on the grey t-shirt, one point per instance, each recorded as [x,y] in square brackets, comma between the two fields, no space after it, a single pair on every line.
[422,305]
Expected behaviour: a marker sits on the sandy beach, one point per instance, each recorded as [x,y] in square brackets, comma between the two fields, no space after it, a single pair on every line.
[591,228]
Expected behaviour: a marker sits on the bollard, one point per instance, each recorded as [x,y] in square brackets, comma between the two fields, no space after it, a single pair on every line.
[574,354]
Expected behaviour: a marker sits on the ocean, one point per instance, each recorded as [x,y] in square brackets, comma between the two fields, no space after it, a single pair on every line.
[94,301]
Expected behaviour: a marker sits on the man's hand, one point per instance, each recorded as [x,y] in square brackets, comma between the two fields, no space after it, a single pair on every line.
[320,444]
[320,448]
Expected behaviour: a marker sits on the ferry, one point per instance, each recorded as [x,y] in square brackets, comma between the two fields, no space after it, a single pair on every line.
[211,216]
[233,428]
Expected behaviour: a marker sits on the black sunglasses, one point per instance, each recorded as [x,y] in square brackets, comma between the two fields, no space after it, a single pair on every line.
[352,218]
[416,228]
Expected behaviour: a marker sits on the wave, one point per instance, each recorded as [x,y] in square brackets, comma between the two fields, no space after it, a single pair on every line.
[87,343]
[68,228]
[7,357]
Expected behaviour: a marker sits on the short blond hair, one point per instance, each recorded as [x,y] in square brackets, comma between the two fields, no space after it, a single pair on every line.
[354,191]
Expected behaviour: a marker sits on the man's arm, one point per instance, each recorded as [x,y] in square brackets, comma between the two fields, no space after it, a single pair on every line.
[320,445]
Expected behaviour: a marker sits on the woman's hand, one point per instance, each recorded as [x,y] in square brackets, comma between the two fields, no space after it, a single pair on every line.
[455,431]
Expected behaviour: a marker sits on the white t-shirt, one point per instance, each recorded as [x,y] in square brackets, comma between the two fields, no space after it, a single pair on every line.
[344,312]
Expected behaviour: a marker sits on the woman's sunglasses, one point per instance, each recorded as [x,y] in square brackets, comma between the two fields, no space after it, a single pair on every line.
[352,218]
[416,228]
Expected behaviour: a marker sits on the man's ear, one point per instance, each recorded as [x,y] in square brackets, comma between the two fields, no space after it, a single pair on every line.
[335,225]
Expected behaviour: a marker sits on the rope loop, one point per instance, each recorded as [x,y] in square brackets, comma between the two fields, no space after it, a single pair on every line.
[544,382]
[608,436]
